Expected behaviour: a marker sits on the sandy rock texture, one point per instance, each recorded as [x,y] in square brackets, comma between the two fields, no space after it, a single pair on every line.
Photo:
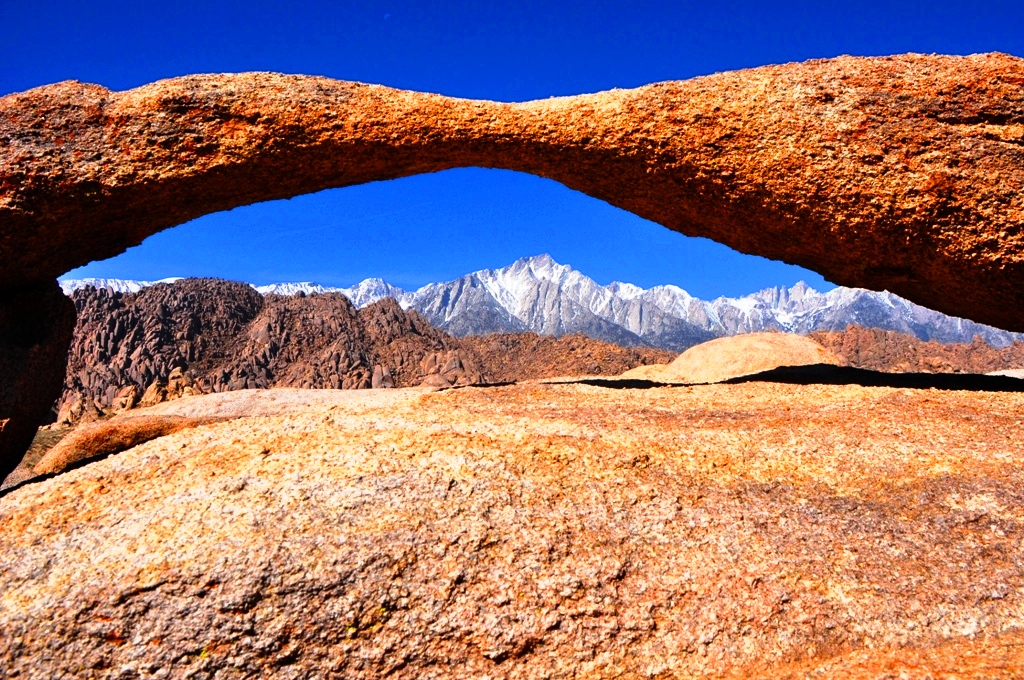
[534,531]
[98,439]
[903,173]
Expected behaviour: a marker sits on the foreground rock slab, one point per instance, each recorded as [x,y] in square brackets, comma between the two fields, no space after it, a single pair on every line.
[533,531]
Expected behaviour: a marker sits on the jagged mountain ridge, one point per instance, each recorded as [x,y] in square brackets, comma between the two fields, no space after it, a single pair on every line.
[196,336]
[540,295]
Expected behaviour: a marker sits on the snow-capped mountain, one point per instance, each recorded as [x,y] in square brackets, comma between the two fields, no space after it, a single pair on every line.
[538,294]
[361,294]
[371,290]
[117,285]
[304,287]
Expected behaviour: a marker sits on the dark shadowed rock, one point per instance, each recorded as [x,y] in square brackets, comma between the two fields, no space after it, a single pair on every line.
[36,325]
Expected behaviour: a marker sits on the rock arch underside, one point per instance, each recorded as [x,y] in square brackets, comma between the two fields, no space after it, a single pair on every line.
[903,173]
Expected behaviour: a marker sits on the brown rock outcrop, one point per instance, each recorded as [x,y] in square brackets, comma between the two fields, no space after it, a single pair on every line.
[534,531]
[198,336]
[509,357]
[904,173]
[882,350]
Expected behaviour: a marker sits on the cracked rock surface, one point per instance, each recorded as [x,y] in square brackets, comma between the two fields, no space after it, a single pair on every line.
[533,531]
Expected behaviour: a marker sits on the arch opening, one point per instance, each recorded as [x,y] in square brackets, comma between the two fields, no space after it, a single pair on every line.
[437,227]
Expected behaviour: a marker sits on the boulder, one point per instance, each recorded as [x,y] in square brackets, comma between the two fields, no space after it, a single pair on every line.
[725,358]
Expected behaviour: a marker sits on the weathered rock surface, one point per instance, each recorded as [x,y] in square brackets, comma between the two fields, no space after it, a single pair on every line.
[534,531]
[903,173]
[36,326]
[725,358]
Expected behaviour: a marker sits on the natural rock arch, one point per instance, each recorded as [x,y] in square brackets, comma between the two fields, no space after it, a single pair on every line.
[904,173]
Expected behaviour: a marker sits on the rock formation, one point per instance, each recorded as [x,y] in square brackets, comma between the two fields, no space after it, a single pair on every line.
[522,356]
[881,350]
[112,436]
[904,173]
[534,531]
[725,358]
[197,336]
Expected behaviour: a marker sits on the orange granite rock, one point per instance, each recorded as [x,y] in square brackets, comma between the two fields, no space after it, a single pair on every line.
[534,531]
[95,440]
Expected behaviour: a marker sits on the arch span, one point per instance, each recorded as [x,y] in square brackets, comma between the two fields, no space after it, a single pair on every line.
[904,173]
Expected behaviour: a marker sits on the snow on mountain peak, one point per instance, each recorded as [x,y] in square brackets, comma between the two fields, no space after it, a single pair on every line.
[626,291]
[305,287]
[368,291]
[539,294]
[116,285]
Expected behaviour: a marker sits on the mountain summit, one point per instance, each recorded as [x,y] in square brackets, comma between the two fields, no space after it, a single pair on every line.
[541,295]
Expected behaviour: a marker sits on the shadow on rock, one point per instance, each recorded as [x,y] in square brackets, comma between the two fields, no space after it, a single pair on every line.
[823,374]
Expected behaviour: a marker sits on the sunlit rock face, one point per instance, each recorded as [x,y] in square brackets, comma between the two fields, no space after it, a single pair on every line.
[532,531]
[902,173]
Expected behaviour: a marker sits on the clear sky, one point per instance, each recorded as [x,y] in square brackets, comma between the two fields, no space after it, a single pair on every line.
[436,227]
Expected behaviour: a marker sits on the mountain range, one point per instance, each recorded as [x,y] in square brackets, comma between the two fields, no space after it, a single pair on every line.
[540,295]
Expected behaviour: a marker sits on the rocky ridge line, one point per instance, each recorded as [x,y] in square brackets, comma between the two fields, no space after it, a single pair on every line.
[198,336]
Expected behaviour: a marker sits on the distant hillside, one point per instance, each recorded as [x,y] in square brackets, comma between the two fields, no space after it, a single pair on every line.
[894,352]
[206,335]
[539,295]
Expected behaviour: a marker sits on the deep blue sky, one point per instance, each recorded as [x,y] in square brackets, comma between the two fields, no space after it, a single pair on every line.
[439,226]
